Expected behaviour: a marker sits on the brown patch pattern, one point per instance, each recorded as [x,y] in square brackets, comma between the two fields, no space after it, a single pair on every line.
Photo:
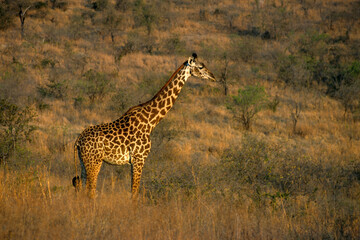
[127,139]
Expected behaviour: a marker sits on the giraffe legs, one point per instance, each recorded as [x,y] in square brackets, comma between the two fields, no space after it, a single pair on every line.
[137,163]
[91,178]
[136,171]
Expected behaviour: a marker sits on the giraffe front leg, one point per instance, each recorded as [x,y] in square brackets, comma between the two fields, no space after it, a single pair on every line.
[137,163]
[136,171]
[92,172]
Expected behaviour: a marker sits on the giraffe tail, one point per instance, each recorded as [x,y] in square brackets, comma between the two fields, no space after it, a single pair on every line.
[76,180]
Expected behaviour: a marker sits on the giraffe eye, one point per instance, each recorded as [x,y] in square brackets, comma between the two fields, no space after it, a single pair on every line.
[201,67]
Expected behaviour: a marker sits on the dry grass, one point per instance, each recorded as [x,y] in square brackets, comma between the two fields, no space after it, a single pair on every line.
[205,178]
[178,202]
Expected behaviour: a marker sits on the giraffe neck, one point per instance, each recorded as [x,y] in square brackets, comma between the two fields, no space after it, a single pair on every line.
[163,101]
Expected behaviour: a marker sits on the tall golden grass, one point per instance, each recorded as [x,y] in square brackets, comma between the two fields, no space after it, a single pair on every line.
[40,203]
[205,178]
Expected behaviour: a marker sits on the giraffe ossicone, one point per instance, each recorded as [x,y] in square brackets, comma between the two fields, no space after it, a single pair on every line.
[127,139]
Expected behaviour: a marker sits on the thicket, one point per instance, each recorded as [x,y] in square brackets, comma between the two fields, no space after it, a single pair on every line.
[272,177]
[16,126]
[95,85]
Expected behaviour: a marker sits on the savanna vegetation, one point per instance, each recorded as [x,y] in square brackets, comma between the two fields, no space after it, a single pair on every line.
[269,151]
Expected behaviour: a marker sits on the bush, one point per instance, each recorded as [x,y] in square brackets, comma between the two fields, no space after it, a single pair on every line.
[285,68]
[349,91]
[98,5]
[248,102]
[244,48]
[175,46]
[47,62]
[145,15]
[122,51]
[122,5]
[268,170]
[95,85]
[273,104]
[120,101]
[5,16]
[15,127]
[53,89]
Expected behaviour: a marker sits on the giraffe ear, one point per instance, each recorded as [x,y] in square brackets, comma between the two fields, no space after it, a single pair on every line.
[192,59]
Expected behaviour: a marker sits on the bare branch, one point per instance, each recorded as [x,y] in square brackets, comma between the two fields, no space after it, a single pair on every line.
[26,10]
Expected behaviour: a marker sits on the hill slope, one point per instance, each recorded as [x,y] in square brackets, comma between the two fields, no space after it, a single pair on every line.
[294,174]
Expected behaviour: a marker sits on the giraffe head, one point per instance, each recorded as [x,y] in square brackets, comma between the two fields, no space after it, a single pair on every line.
[198,69]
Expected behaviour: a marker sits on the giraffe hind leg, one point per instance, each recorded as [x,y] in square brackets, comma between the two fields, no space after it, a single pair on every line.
[92,172]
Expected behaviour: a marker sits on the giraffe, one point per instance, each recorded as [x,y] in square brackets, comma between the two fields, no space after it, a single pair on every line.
[127,139]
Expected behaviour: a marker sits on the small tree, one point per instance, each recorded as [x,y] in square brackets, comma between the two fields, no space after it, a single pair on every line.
[8,10]
[349,90]
[226,62]
[248,102]
[145,15]
[225,73]
[53,89]
[295,115]
[15,127]
[22,15]
[95,85]
[111,20]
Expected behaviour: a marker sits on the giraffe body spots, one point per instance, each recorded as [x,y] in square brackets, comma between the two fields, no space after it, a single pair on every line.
[127,140]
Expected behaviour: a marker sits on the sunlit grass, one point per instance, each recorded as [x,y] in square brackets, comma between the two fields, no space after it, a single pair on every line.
[206,177]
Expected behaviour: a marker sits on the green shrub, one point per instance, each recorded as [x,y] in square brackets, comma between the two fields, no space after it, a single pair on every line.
[53,89]
[95,85]
[349,91]
[248,102]
[285,68]
[47,62]
[266,170]
[120,102]
[145,15]
[175,45]
[272,105]
[15,127]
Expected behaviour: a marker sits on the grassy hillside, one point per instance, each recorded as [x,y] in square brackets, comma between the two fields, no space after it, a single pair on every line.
[294,174]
